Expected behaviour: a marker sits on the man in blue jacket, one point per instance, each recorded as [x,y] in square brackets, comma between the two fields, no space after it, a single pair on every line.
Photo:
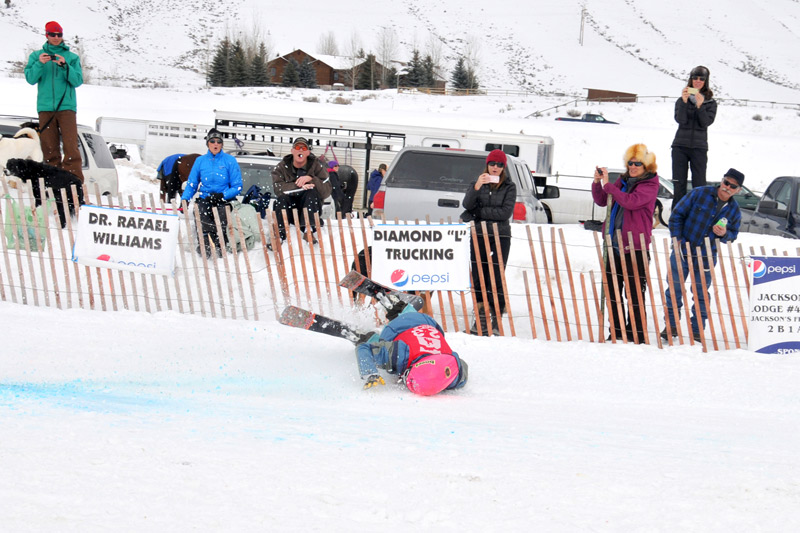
[219,178]
[706,212]
[57,72]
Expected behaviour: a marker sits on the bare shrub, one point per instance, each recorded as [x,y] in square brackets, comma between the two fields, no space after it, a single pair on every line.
[573,113]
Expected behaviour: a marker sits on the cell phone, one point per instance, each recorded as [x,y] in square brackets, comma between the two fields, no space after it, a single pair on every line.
[599,170]
[494,179]
[692,90]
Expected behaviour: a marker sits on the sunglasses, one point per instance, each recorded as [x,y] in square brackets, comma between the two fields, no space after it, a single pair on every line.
[635,163]
[301,147]
[495,164]
[215,141]
[730,184]
[54,34]
[701,78]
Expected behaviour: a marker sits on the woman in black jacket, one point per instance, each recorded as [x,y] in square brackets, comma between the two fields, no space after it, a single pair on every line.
[491,198]
[695,111]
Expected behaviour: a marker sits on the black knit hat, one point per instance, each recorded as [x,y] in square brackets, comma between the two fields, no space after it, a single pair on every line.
[735,174]
[213,133]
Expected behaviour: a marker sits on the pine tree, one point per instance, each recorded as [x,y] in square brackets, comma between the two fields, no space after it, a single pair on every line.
[239,75]
[258,68]
[219,72]
[291,75]
[367,74]
[307,75]
[391,77]
[428,78]
[414,76]
[460,77]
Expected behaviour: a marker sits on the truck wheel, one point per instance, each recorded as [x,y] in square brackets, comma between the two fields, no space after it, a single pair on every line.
[548,213]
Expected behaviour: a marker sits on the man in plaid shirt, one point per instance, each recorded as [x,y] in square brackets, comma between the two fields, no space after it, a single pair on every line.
[706,212]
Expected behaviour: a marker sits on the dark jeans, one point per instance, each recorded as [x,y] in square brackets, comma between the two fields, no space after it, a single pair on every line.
[679,283]
[636,304]
[309,199]
[208,224]
[488,262]
[682,159]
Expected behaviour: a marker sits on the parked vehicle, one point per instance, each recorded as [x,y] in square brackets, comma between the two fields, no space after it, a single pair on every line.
[588,117]
[364,143]
[432,182]
[98,165]
[155,139]
[257,170]
[777,212]
[574,204]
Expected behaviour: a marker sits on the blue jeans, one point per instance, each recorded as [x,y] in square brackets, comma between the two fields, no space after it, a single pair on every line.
[679,283]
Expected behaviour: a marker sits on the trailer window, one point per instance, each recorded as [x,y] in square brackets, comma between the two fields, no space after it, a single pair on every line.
[510,149]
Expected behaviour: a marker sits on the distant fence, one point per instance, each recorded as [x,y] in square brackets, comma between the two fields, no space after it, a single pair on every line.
[549,296]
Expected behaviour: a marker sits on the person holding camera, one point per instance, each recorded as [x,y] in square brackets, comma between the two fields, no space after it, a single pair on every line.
[630,202]
[490,199]
[695,111]
[57,72]
[219,178]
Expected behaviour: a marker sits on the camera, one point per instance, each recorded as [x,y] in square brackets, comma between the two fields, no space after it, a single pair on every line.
[53,58]
[494,179]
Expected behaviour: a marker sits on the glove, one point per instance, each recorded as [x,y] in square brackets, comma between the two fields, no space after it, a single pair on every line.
[216,199]
[373,381]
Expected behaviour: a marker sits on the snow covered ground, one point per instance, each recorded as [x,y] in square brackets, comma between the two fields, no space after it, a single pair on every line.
[164,422]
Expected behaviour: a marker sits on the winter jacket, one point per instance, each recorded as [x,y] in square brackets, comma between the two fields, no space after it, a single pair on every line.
[336,186]
[637,204]
[491,204]
[693,123]
[169,165]
[55,81]
[374,183]
[217,174]
[285,174]
[693,219]
[396,356]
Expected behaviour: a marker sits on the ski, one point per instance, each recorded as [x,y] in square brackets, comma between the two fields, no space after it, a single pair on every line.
[300,318]
[393,301]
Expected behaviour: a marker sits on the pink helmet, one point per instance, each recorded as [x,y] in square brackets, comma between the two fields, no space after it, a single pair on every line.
[432,374]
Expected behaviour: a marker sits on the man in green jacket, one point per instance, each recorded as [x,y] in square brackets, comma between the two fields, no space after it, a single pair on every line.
[57,72]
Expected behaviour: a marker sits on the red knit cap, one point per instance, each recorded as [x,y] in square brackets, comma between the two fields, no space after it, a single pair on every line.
[53,27]
[498,156]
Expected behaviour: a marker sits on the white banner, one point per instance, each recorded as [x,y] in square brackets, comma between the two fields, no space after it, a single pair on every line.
[774,305]
[126,240]
[421,258]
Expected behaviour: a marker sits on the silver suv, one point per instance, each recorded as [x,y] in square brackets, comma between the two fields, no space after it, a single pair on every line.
[433,181]
[98,165]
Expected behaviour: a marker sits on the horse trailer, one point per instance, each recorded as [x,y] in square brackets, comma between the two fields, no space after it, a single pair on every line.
[365,144]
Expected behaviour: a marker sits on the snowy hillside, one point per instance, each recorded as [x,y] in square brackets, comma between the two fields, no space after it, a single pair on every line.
[636,46]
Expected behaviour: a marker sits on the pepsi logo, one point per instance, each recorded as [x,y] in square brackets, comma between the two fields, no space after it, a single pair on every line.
[399,278]
[759,268]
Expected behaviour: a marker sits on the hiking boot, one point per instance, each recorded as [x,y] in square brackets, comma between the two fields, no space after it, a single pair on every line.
[665,335]
[697,337]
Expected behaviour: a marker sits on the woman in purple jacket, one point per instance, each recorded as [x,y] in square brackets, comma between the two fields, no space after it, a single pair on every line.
[629,202]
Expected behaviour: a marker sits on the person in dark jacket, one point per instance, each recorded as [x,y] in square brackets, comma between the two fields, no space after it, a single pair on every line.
[412,346]
[348,178]
[630,202]
[300,182]
[57,72]
[695,111]
[218,177]
[336,186]
[490,199]
[374,183]
[706,212]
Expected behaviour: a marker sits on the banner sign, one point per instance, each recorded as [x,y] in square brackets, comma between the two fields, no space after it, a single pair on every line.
[774,305]
[421,258]
[126,240]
